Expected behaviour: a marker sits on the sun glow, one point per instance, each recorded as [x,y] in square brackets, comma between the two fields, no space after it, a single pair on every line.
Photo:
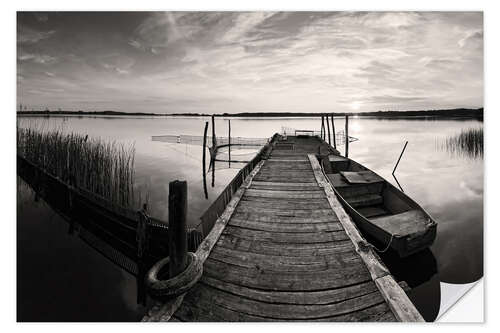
[355,105]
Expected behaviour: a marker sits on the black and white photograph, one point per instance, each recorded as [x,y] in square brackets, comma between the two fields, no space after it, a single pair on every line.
[247,166]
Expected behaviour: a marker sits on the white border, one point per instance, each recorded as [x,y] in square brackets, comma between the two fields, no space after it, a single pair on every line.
[492,107]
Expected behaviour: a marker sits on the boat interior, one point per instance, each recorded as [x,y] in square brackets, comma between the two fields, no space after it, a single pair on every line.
[374,198]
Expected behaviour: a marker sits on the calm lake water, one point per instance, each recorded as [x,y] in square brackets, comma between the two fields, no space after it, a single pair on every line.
[61,278]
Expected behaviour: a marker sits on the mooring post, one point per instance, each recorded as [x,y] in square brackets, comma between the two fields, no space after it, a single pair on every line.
[322,127]
[214,141]
[204,162]
[346,136]
[177,231]
[229,140]
[328,127]
[333,131]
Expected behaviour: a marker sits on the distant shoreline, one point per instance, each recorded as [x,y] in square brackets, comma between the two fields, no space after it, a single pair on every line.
[448,113]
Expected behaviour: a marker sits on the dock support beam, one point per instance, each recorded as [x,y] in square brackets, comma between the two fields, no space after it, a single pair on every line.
[323,127]
[229,140]
[346,136]
[204,162]
[328,127]
[177,231]
[333,132]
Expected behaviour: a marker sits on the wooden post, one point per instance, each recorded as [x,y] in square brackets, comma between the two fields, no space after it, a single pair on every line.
[333,131]
[204,162]
[214,141]
[322,127]
[229,141]
[177,231]
[214,150]
[328,126]
[346,136]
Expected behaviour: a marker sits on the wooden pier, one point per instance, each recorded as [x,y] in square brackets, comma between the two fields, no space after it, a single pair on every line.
[285,250]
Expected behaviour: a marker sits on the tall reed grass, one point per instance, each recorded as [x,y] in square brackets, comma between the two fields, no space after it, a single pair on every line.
[469,143]
[105,169]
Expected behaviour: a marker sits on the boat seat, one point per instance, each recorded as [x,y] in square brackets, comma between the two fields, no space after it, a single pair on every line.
[347,189]
[407,223]
[338,162]
[361,177]
[364,200]
[373,211]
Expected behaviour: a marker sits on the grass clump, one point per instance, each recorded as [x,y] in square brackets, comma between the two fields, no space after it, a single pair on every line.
[468,143]
[105,169]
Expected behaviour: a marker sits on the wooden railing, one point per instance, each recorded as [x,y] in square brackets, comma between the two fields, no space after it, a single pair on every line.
[219,205]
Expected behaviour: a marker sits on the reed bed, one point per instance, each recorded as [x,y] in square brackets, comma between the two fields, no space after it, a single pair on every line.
[105,169]
[469,143]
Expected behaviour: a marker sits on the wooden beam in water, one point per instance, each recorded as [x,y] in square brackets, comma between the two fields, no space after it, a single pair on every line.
[346,136]
[204,162]
[333,131]
[229,141]
[328,127]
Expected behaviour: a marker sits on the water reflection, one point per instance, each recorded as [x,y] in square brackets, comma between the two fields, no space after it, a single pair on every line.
[61,278]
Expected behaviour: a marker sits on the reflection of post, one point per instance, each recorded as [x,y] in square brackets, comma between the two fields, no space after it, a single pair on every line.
[229,141]
[328,127]
[346,136]
[177,231]
[213,172]
[333,132]
[204,165]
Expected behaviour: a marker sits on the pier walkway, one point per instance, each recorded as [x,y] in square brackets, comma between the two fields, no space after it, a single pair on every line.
[289,253]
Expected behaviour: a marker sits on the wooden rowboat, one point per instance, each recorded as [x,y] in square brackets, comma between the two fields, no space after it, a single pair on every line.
[379,209]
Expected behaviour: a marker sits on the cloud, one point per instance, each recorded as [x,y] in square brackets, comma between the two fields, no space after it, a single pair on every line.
[27,35]
[255,61]
[41,17]
[43,59]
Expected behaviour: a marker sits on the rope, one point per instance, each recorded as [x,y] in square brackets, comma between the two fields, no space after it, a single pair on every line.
[386,248]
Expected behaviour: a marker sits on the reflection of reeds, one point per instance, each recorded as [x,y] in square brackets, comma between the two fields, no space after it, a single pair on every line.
[105,169]
[468,143]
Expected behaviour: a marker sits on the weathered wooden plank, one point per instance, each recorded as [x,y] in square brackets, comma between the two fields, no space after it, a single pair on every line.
[284,194]
[285,188]
[288,311]
[287,227]
[294,297]
[205,310]
[286,167]
[398,301]
[299,184]
[283,280]
[266,247]
[282,217]
[285,237]
[277,212]
[280,263]
[258,202]
[284,179]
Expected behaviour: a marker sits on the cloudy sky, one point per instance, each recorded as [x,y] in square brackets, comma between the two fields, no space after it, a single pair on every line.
[245,62]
